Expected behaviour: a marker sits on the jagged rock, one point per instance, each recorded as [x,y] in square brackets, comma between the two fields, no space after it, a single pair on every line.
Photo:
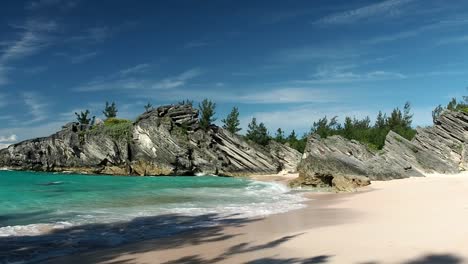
[164,141]
[288,157]
[447,139]
[338,183]
[438,149]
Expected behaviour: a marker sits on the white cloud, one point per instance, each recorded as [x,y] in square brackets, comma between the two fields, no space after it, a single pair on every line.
[29,132]
[383,9]
[10,138]
[6,141]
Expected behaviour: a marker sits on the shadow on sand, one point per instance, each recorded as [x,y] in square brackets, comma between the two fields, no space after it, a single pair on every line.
[158,233]
[90,237]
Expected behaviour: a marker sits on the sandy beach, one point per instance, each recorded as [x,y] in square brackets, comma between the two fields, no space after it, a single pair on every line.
[415,220]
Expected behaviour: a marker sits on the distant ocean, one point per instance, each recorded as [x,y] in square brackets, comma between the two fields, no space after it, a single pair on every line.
[32,202]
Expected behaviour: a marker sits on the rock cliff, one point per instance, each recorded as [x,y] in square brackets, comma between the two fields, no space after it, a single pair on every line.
[165,141]
[437,149]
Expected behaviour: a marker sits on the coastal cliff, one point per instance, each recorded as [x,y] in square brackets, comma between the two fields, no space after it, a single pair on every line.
[437,149]
[165,141]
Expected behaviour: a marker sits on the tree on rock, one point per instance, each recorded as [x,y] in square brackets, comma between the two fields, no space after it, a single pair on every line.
[83,118]
[110,111]
[279,136]
[207,110]
[436,113]
[148,107]
[232,123]
[258,133]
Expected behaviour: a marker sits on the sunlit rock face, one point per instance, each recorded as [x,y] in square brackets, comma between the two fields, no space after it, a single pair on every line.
[437,149]
[165,141]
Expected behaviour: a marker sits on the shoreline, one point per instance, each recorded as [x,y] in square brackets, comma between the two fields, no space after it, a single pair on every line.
[399,221]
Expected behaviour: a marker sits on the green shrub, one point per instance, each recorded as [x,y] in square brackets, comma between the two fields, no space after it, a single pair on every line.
[116,121]
[117,129]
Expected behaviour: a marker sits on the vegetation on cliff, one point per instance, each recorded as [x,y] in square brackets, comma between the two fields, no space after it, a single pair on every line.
[116,128]
[453,105]
[363,131]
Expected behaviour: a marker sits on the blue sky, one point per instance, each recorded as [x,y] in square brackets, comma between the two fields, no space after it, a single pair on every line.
[287,63]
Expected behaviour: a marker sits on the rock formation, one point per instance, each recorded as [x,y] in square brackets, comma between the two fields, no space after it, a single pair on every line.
[165,141]
[441,149]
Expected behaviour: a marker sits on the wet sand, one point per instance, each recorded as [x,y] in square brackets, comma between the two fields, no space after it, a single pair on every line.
[416,220]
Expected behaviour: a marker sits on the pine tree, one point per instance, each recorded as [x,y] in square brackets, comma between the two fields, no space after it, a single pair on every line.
[292,137]
[258,133]
[279,136]
[436,113]
[83,118]
[232,123]
[452,105]
[110,111]
[380,121]
[207,109]
[148,107]
[407,116]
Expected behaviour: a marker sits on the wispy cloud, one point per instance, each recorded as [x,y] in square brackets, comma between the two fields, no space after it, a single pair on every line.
[3,101]
[36,69]
[343,75]
[196,44]
[37,108]
[255,95]
[443,26]
[78,58]
[304,54]
[386,8]
[100,33]
[34,37]
[93,35]
[290,95]
[453,40]
[64,4]
[137,69]
[124,80]
[177,81]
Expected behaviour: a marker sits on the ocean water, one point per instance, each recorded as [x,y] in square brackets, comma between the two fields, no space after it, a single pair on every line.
[32,202]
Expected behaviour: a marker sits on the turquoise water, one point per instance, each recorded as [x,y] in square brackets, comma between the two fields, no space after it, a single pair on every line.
[30,201]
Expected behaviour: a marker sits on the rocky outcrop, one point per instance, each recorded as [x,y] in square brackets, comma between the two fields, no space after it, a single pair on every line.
[288,157]
[335,182]
[440,149]
[165,141]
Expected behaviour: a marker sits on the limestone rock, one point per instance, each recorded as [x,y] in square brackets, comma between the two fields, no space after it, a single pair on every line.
[164,141]
[288,157]
[337,183]
[441,149]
